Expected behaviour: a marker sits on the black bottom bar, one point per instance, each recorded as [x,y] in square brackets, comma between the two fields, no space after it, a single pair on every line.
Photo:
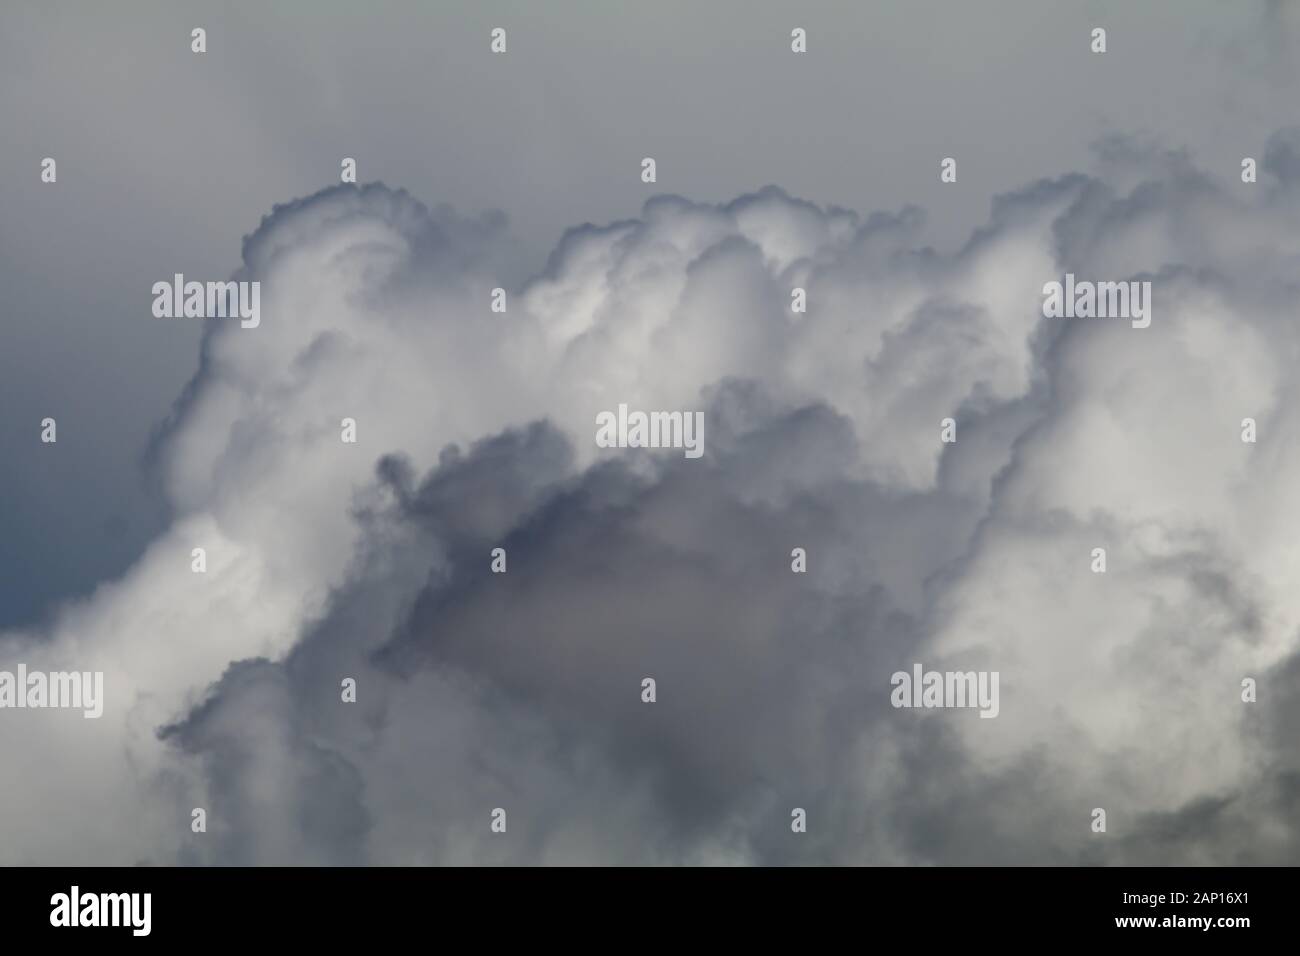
[613,907]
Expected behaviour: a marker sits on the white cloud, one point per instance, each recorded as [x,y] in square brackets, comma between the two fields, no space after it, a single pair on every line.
[1071,436]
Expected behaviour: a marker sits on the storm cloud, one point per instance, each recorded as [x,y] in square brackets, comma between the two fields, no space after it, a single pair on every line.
[522,690]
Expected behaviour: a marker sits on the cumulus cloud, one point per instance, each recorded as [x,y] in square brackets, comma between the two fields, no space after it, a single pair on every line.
[522,690]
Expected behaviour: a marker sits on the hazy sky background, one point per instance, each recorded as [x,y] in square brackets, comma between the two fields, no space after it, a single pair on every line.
[166,159]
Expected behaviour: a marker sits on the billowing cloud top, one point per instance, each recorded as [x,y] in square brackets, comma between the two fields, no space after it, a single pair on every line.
[522,691]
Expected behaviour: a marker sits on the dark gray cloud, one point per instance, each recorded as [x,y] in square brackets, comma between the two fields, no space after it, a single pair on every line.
[766,679]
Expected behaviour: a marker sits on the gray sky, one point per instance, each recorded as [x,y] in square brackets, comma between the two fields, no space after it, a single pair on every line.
[166,159]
